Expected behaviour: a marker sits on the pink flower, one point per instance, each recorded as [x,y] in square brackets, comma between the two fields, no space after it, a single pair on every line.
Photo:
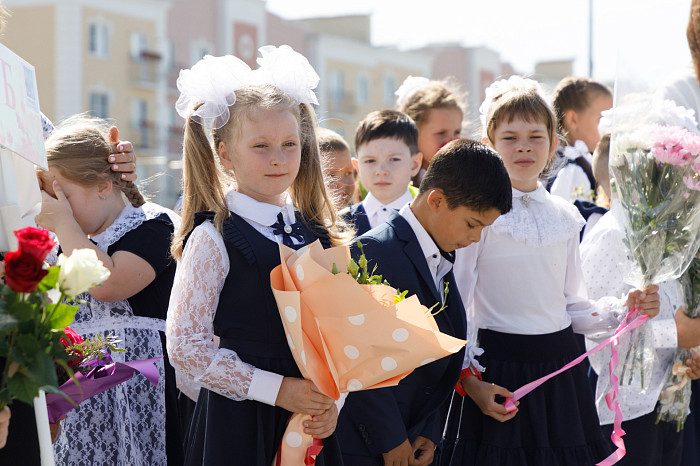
[674,145]
[692,182]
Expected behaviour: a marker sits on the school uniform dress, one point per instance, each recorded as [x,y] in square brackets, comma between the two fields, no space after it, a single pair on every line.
[573,179]
[605,263]
[222,290]
[376,421]
[370,213]
[133,423]
[528,299]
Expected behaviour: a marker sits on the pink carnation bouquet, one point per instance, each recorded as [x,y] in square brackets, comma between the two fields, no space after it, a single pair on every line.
[655,160]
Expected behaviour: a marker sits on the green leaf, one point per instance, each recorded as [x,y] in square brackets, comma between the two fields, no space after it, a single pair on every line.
[42,370]
[25,349]
[62,316]
[22,388]
[50,281]
[22,311]
[7,321]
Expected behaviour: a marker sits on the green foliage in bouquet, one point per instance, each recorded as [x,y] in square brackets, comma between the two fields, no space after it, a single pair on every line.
[360,272]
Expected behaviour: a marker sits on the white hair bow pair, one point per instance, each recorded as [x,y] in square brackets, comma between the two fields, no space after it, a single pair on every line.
[500,87]
[213,82]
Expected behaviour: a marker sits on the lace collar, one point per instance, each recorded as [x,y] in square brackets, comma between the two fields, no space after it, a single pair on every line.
[539,219]
[258,212]
[129,218]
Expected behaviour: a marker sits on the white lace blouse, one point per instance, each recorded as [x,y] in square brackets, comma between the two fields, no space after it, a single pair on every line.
[524,276]
[194,299]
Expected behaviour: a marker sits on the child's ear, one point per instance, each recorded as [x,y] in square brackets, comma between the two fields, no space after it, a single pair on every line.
[355,165]
[570,120]
[225,156]
[435,199]
[485,141]
[416,163]
[104,188]
[553,146]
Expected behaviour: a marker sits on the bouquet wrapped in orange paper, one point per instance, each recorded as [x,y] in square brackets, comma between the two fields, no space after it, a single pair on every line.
[346,336]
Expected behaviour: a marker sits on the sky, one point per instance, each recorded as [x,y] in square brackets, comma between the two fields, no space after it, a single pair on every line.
[644,36]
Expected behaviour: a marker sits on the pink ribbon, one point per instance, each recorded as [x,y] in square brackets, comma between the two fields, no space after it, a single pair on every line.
[616,437]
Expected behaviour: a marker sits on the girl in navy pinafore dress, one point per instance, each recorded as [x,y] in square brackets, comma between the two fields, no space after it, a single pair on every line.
[224,332]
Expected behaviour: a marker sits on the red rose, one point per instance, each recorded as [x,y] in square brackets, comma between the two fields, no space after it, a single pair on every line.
[35,242]
[72,338]
[23,272]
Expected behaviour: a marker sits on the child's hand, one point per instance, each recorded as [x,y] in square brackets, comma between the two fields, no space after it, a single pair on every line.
[301,396]
[484,395]
[323,425]
[427,451]
[124,160]
[4,425]
[55,212]
[693,367]
[399,456]
[688,330]
[647,301]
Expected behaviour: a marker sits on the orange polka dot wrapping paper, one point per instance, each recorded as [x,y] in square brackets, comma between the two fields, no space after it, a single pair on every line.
[345,336]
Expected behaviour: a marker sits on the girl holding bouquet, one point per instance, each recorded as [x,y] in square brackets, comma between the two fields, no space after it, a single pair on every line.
[84,204]
[260,183]
[528,332]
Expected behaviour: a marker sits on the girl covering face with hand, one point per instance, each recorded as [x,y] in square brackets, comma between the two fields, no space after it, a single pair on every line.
[87,205]
[260,183]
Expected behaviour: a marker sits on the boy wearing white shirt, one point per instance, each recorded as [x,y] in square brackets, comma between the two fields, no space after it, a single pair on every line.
[386,143]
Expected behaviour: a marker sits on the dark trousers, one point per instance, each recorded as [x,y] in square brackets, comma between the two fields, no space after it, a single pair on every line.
[649,443]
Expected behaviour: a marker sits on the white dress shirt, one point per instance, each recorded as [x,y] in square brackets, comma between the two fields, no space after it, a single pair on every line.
[377,213]
[524,276]
[571,181]
[438,265]
[605,262]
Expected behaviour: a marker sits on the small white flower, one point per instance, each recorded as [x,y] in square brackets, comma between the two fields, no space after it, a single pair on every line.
[80,271]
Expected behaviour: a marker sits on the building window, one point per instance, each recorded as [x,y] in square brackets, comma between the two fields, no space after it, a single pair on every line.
[98,40]
[139,44]
[198,49]
[99,104]
[389,88]
[336,90]
[362,94]
[141,125]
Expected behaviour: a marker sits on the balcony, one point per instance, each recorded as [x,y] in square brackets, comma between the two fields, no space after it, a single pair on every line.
[143,68]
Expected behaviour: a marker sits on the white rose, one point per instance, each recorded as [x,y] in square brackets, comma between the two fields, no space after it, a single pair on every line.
[80,271]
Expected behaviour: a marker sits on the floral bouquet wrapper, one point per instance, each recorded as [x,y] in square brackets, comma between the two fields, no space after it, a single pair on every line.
[99,379]
[674,400]
[654,160]
[345,336]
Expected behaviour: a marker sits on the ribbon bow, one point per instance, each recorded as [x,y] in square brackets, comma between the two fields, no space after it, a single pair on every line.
[288,231]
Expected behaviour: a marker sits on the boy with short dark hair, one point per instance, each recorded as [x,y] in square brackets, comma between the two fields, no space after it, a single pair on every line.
[386,143]
[465,189]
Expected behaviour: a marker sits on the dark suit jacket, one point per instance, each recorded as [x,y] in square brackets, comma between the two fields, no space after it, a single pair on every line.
[358,217]
[375,421]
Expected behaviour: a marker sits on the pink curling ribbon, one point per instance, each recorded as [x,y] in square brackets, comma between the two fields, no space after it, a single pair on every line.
[616,437]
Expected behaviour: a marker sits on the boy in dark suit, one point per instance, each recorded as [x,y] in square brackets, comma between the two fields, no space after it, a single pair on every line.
[465,189]
[386,143]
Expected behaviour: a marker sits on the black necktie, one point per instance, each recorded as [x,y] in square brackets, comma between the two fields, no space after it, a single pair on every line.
[449,256]
[287,231]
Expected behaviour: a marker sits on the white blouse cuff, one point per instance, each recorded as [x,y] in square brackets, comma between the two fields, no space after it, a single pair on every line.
[665,333]
[470,354]
[265,386]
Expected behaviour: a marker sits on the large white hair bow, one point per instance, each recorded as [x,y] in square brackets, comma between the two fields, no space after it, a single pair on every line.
[500,87]
[213,82]
[408,87]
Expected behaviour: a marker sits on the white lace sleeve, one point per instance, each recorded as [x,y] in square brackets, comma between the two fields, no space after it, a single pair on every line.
[589,317]
[190,323]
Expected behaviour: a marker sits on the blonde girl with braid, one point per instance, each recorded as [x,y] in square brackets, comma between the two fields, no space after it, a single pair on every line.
[88,206]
